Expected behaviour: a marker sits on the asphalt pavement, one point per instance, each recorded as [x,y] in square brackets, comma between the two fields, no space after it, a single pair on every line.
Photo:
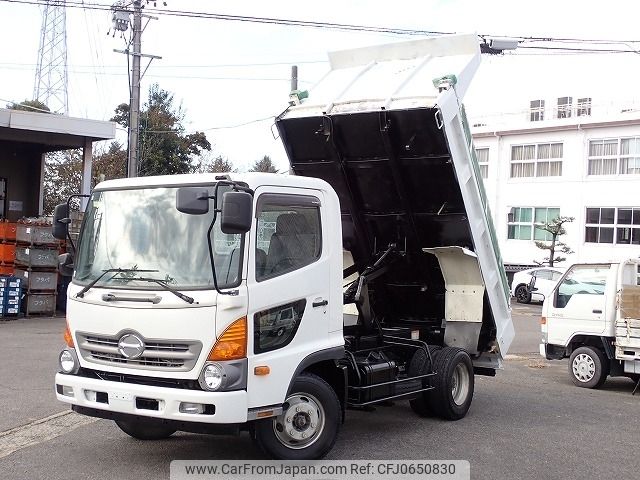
[528,422]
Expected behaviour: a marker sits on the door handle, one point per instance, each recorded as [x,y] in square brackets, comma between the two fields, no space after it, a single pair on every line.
[321,303]
[596,311]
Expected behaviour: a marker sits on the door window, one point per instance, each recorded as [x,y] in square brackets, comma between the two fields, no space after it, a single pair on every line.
[544,274]
[274,328]
[555,276]
[583,280]
[289,236]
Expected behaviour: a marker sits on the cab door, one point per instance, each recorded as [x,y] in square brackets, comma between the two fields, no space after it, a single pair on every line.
[289,286]
[579,304]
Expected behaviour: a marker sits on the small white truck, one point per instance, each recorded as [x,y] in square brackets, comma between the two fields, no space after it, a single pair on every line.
[593,317]
[209,303]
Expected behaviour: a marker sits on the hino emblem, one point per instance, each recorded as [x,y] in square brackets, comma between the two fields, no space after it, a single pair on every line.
[130,346]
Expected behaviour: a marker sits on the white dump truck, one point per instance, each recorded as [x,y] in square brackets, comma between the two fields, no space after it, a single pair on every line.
[214,303]
[593,317]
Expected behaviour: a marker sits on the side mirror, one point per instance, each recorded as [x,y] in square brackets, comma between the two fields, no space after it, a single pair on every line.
[65,264]
[237,209]
[532,284]
[192,200]
[61,221]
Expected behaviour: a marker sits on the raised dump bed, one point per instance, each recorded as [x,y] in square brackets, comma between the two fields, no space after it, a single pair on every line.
[386,128]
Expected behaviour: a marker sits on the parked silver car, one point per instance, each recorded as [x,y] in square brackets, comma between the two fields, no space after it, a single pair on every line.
[546,279]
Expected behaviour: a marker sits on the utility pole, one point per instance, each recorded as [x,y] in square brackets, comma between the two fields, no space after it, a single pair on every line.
[134,104]
[121,22]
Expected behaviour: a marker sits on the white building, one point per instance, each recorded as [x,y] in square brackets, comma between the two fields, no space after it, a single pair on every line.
[572,159]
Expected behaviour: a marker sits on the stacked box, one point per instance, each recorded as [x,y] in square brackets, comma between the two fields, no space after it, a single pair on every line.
[7,247]
[10,296]
[36,263]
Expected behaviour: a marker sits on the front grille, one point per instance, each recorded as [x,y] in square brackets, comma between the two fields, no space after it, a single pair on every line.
[140,380]
[157,355]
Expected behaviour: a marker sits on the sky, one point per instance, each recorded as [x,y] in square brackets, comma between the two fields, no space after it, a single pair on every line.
[226,74]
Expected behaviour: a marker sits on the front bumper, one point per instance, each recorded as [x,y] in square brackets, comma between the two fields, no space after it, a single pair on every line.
[552,352]
[230,407]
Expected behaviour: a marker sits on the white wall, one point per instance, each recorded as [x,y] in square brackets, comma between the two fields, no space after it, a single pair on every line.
[572,192]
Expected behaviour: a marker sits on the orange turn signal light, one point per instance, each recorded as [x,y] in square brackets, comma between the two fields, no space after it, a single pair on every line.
[68,338]
[261,370]
[232,344]
[543,320]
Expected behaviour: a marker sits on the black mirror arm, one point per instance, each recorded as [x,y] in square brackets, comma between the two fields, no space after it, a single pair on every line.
[216,210]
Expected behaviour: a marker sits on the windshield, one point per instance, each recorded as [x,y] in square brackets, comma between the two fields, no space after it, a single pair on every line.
[142,230]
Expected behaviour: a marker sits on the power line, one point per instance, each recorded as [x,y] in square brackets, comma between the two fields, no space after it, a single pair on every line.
[251,19]
[219,65]
[330,25]
[186,77]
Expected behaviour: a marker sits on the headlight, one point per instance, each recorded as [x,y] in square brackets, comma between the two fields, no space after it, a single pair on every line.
[68,361]
[212,377]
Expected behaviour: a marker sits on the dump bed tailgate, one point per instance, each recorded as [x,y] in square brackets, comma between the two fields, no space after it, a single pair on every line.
[395,146]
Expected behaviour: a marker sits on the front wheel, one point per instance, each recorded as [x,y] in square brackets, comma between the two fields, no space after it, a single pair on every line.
[453,384]
[309,423]
[149,430]
[522,294]
[588,367]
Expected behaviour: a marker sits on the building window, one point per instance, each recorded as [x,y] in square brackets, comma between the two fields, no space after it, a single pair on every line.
[613,156]
[537,110]
[564,107]
[523,221]
[482,154]
[541,160]
[619,226]
[630,156]
[584,107]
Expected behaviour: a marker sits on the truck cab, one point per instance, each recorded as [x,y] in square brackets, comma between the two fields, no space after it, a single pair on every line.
[591,318]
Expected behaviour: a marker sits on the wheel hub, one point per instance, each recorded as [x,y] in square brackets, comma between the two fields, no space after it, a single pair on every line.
[584,368]
[301,423]
[460,384]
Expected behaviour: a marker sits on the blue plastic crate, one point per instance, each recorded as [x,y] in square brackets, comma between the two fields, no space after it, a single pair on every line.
[10,282]
[12,302]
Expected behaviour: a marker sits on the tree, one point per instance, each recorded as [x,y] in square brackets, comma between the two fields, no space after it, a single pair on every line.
[555,227]
[110,163]
[264,165]
[29,106]
[165,148]
[62,177]
[219,164]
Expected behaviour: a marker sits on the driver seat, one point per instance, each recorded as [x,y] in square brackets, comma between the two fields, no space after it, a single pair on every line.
[292,244]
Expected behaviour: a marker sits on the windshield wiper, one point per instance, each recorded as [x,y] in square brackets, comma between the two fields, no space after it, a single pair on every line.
[81,293]
[164,285]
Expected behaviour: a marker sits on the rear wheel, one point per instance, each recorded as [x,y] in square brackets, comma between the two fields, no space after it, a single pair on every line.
[453,384]
[588,367]
[149,430]
[522,293]
[308,426]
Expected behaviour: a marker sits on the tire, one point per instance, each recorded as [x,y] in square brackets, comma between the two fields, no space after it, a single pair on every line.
[313,392]
[141,430]
[588,367]
[522,294]
[453,384]
[420,365]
